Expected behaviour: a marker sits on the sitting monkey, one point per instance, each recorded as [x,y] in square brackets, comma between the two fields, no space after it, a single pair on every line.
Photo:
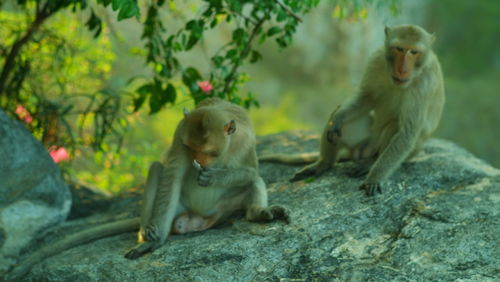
[398,107]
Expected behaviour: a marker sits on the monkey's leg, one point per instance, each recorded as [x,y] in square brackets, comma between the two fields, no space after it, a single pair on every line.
[256,206]
[327,156]
[364,156]
[152,183]
[338,135]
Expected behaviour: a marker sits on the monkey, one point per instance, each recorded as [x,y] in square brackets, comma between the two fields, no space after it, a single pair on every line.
[209,172]
[397,108]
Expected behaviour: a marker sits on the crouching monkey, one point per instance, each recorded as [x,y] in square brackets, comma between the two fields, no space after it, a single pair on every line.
[398,107]
[210,171]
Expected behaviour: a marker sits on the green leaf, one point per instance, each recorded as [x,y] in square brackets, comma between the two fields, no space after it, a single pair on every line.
[191,24]
[105,3]
[171,93]
[193,39]
[196,28]
[189,77]
[255,56]
[218,60]
[282,15]
[231,54]
[127,8]
[143,91]
[239,36]
[117,4]
[158,98]
[94,24]
[273,30]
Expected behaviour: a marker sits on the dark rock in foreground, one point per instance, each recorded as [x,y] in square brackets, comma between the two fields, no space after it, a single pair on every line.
[437,219]
[33,194]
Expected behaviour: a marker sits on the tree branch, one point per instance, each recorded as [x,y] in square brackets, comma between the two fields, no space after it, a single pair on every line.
[244,53]
[41,15]
[288,11]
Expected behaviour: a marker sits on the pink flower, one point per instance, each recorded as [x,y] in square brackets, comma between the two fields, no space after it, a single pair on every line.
[24,114]
[205,86]
[28,119]
[59,154]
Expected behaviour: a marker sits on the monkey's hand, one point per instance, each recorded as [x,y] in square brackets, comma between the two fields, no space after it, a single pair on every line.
[207,176]
[225,176]
[334,132]
[213,175]
[151,243]
[142,249]
[371,188]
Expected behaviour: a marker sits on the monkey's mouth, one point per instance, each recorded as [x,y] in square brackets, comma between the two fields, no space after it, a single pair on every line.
[399,81]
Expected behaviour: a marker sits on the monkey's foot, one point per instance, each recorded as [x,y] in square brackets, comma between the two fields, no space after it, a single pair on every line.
[141,249]
[189,222]
[371,188]
[269,214]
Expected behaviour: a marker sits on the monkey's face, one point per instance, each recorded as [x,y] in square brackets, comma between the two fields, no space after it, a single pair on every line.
[407,49]
[402,60]
[206,136]
[204,155]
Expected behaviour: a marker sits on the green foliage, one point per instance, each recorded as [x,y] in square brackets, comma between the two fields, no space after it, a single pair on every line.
[59,77]
[251,21]
[58,73]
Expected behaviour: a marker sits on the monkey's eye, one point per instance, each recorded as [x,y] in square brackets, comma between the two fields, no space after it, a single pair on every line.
[399,49]
[414,52]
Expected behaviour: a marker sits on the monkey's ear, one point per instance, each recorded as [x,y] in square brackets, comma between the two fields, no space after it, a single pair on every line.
[230,127]
[186,112]
[387,30]
[433,37]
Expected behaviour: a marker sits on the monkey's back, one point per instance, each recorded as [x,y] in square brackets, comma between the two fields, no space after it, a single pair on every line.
[437,97]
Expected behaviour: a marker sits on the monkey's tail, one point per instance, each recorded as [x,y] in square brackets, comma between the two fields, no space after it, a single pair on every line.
[301,158]
[107,229]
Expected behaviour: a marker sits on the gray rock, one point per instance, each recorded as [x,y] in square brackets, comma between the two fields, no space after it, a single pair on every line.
[33,195]
[437,220]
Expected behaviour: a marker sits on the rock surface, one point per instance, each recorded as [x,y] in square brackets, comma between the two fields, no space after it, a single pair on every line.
[33,195]
[437,220]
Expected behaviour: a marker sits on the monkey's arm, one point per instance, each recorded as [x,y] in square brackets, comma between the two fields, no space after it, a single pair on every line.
[162,204]
[167,199]
[360,106]
[398,149]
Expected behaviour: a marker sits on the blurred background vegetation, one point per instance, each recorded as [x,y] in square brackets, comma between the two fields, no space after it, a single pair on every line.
[94,95]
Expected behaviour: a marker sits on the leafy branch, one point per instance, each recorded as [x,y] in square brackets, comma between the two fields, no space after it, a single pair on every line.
[230,78]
